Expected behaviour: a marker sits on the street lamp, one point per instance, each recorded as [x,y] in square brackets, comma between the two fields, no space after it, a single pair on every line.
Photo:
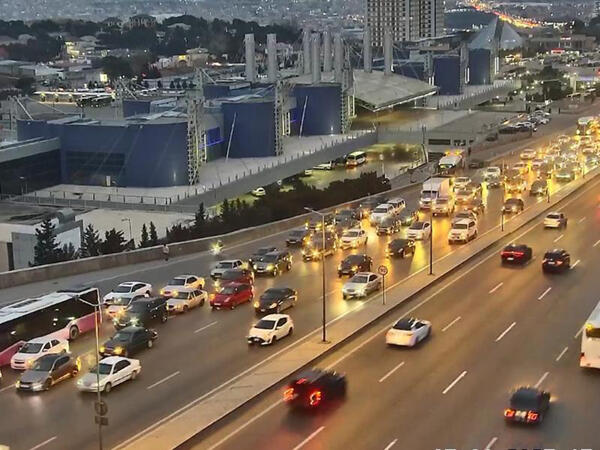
[23,181]
[324,337]
[127,219]
[97,313]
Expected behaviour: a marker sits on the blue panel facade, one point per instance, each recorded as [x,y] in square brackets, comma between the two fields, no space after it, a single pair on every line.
[134,107]
[411,69]
[480,66]
[447,74]
[215,90]
[322,114]
[254,131]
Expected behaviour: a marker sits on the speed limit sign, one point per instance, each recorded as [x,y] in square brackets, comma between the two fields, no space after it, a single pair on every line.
[383,270]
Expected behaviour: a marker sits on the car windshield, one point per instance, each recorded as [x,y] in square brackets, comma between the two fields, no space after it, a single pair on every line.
[265,324]
[228,290]
[553,216]
[138,307]
[380,210]
[359,279]
[351,234]
[403,324]
[269,258]
[552,255]
[460,226]
[354,259]
[398,243]
[122,336]
[30,347]
[463,215]
[524,401]
[43,364]
[225,265]
[417,226]
[273,293]
[120,289]
[177,282]
[181,295]
[104,369]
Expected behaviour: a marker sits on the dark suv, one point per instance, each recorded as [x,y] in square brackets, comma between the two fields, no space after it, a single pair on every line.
[259,254]
[556,260]
[273,263]
[353,264]
[143,311]
[128,341]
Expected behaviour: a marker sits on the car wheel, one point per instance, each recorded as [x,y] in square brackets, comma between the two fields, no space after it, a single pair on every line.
[163,318]
[273,340]
[344,297]
[73,332]
[202,302]
[150,343]
[291,331]
[232,307]
[133,375]
[47,384]
[74,372]
[125,354]
[107,388]
[185,308]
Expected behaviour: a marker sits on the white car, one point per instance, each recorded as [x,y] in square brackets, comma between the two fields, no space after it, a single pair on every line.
[129,289]
[33,349]
[185,299]
[491,172]
[259,192]
[419,231]
[381,212]
[361,285]
[408,332]
[113,370]
[180,282]
[225,265]
[353,238]
[555,220]
[461,183]
[462,231]
[527,154]
[442,205]
[537,163]
[324,166]
[270,328]
[463,214]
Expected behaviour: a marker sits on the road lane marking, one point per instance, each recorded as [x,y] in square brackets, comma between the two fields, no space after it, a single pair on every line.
[579,332]
[46,442]
[541,380]
[391,444]
[383,378]
[205,327]
[581,220]
[559,238]
[451,385]
[491,443]
[498,286]
[596,243]
[505,331]
[451,323]
[458,277]
[6,388]
[575,263]
[562,354]
[544,293]
[312,435]
[167,378]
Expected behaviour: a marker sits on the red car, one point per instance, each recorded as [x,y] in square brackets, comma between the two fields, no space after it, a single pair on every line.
[231,295]
[244,276]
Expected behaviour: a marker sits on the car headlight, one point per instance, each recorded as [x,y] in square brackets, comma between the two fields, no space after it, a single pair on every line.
[362,289]
[118,350]
[102,349]
[273,305]
[256,304]
[270,266]
[354,268]
[18,384]
[135,321]
[315,252]
[37,385]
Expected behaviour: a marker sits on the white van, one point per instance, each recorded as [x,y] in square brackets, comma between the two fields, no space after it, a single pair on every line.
[356,159]
[381,212]
[398,203]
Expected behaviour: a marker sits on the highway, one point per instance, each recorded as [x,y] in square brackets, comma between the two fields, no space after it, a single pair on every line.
[494,328]
[198,352]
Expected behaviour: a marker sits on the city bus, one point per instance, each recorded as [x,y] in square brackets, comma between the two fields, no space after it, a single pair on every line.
[59,314]
[590,340]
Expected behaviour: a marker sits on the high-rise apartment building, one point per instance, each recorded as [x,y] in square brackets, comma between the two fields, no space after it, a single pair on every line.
[406,19]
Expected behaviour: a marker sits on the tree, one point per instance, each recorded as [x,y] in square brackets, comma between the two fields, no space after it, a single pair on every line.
[114,242]
[199,229]
[67,252]
[159,84]
[172,85]
[46,250]
[115,67]
[91,242]
[184,84]
[144,240]
[153,235]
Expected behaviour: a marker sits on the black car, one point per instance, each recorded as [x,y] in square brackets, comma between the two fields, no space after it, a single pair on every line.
[345,224]
[493,182]
[142,312]
[273,263]
[298,238]
[556,260]
[516,254]
[260,253]
[400,248]
[388,225]
[369,204]
[513,205]
[527,405]
[316,223]
[475,205]
[313,388]
[128,341]
[477,163]
[353,264]
[348,213]
[314,251]
[275,300]
[539,187]
[408,217]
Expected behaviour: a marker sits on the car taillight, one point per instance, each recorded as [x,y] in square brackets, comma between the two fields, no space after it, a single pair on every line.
[545,260]
[315,398]
[288,394]
[582,355]
[509,412]
[558,263]
[532,416]
[519,254]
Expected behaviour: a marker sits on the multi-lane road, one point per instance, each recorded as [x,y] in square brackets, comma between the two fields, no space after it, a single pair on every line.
[494,328]
[198,352]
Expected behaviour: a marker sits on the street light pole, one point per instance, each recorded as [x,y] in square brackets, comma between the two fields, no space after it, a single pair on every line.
[324,312]
[97,313]
[431,238]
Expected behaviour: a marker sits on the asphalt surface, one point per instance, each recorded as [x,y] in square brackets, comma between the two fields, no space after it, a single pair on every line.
[195,353]
[494,328]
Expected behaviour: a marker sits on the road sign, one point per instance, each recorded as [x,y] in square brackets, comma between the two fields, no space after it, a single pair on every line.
[101,420]
[101,408]
[383,270]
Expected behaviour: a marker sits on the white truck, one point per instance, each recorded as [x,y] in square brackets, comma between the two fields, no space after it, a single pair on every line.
[432,189]
[451,162]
